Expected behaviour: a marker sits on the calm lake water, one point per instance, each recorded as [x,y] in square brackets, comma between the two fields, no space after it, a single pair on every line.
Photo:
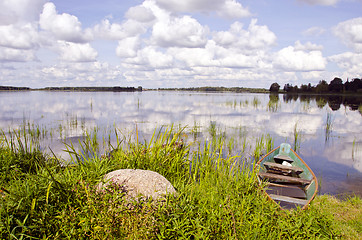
[329,133]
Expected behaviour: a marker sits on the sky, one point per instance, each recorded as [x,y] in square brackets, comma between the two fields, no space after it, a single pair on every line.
[173,43]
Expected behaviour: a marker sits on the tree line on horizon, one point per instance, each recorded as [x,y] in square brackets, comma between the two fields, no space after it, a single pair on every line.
[79,89]
[335,86]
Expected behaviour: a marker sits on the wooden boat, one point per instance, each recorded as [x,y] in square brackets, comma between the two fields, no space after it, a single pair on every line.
[290,181]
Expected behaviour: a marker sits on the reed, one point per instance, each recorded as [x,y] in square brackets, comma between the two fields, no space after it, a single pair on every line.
[195,130]
[231,145]
[263,145]
[256,102]
[296,134]
[355,149]
[328,126]
[245,103]
[212,129]
[273,104]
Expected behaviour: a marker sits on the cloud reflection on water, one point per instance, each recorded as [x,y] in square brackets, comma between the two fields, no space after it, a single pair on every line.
[250,113]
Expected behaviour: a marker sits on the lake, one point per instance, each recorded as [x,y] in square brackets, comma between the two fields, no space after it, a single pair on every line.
[327,133]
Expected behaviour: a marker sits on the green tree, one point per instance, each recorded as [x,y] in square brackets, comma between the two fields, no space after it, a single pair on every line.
[336,85]
[322,87]
[274,87]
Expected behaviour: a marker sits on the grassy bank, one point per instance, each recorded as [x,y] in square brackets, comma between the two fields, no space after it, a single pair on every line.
[218,197]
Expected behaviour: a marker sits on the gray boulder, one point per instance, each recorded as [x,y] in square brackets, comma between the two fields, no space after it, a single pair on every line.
[138,182]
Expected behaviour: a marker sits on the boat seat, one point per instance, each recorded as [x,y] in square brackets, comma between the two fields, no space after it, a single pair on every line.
[276,168]
[283,157]
[288,199]
[282,178]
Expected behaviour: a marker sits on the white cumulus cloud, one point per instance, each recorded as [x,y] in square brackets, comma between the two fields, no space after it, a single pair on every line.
[128,47]
[19,36]
[254,37]
[16,55]
[233,9]
[308,46]
[213,55]
[76,52]
[224,8]
[192,57]
[149,57]
[179,31]
[15,11]
[117,31]
[350,62]
[140,14]
[63,26]
[350,33]
[292,59]
[80,73]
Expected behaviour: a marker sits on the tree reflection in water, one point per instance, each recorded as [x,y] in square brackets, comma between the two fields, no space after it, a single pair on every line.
[353,102]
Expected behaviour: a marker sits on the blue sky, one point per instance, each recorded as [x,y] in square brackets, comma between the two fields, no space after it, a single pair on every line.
[172,43]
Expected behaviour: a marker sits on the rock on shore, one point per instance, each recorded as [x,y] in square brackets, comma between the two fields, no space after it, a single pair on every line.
[138,182]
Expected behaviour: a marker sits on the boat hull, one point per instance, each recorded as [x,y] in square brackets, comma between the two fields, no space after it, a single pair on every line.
[290,181]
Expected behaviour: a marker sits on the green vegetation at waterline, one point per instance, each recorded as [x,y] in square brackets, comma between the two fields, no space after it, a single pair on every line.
[218,89]
[335,86]
[218,197]
[75,89]
[11,88]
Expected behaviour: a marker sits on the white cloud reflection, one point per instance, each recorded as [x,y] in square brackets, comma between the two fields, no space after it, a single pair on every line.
[238,116]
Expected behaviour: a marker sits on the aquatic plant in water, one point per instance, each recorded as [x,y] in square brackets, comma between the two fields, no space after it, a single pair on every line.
[273,104]
[256,102]
[328,126]
[296,134]
[355,149]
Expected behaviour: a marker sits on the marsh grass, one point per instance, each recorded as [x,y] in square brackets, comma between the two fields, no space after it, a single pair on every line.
[297,137]
[328,126]
[263,145]
[273,104]
[356,148]
[256,102]
[218,195]
[195,130]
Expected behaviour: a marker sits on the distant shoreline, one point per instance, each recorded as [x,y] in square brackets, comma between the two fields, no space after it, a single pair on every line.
[207,89]
[74,89]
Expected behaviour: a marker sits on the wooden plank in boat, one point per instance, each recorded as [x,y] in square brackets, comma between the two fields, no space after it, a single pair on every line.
[289,192]
[284,178]
[283,158]
[282,168]
[288,199]
[283,185]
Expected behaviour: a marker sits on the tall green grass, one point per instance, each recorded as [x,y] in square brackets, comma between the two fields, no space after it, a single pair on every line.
[217,197]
